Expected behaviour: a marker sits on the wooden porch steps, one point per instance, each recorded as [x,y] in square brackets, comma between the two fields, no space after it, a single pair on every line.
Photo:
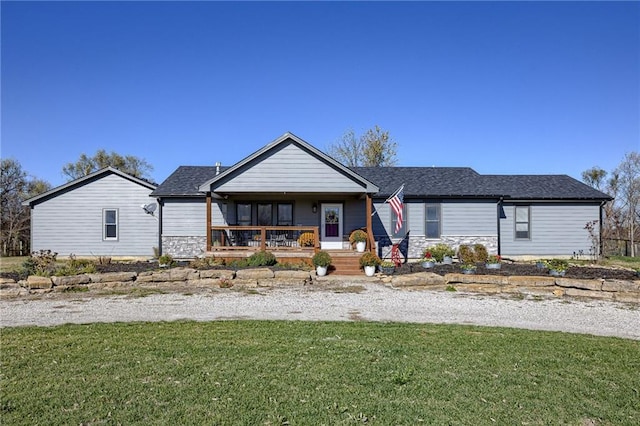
[345,262]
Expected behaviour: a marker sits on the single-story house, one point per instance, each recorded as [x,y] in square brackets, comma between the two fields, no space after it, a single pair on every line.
[288,188]
[106,213]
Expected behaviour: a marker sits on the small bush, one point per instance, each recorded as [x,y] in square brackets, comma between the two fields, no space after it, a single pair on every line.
[75,267]
[466,254]
[439,251]
[357,236]
[481,253]
[369,259]
[41,263]
[262,258]
[321,258]
[166,259]
[204,263]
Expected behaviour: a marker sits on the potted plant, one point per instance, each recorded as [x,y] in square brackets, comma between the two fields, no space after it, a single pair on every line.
[359,239]
[468,268]
[493,262]
[321,260]
[428,261]
[557,267]
[442,253]
[369,261]
[387,267]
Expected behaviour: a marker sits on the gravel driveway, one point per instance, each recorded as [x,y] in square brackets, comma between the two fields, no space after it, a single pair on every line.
[371,302]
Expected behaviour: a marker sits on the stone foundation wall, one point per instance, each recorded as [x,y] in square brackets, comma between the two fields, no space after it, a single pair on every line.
[184,247]
[418,244]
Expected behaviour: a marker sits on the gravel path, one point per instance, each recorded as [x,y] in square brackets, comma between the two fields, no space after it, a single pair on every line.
[370,303]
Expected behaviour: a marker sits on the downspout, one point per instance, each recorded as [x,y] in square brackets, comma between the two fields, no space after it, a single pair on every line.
[498,214]
[159,226]
[600,228]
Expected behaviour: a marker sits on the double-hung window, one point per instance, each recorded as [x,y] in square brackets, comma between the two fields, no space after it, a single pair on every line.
[243,214]
[523,222]
[285,214]
[110,224]
[265,214]
[432,220]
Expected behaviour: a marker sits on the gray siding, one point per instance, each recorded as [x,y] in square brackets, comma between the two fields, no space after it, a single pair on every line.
[557,229]
[184,217]
[469,218]
[71,222]
[290,169]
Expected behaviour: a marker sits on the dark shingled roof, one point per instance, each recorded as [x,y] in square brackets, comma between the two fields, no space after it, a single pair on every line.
[184,182]
[422,182]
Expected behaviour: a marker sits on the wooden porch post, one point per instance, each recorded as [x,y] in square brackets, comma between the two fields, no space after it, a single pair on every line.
[208,221]
[370,224]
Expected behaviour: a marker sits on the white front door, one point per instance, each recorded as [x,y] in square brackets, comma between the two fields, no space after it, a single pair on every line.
[331,226]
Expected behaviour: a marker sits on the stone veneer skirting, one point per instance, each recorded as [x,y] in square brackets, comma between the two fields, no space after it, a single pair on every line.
[184,247]
[418,244]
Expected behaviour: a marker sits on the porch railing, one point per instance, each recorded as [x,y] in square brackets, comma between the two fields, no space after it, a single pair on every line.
[225,238]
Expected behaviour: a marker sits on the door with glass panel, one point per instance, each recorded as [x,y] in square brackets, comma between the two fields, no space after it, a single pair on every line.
[331,226]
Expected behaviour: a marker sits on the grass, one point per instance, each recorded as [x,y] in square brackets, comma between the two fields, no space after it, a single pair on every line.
[250,372]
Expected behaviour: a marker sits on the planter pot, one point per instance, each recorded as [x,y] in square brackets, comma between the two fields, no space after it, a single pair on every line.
[493,265]
[428,264]
[469,271]
[447,260]
[361,246]
[321,271]
[369,271]
[540,265]
[555,273]
[388,270]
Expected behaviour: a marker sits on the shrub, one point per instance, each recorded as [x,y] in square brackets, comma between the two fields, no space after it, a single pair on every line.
[321,258]
[466,254]
[75,267]
[357,236]
[41,263]
[481,253]
[165,259]
[557,265]
[439,251]
[369,259]
[306,239]
[262,258]
[204,262]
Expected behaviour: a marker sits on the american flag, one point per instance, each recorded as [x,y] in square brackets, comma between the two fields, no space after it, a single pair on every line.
[396,201]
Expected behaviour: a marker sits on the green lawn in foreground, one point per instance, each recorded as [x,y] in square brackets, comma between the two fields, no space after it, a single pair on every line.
[309,373]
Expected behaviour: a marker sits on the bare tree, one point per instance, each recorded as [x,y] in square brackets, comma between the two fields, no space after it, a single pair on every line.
[15,187]
[129,164]
[628,173]
[375,148]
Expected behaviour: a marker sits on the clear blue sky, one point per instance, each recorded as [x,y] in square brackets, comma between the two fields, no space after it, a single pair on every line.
[503,87]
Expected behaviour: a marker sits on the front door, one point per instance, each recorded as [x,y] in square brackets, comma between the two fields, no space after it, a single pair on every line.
[331,226]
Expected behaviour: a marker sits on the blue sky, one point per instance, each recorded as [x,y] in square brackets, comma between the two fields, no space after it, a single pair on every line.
[502,87]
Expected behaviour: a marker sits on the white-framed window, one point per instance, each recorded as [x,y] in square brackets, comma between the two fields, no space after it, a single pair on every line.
[522,222]
[110,224]
[432,220]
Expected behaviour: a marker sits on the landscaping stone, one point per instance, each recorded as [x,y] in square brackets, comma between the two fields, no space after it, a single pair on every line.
[533,290]
[112,277]
[183,274]
[479,288]
[417,279]
[254,274]
[244,283]
[35,282]
[108,285]
[7,283]
[476,279]
[593,294]
[618,285]
[208,282]
[217,273]
[594,285]
[627,297]
[532,281]
[71,280]
[292,275]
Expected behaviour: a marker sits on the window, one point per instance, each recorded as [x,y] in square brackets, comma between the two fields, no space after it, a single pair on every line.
[110,221]
[265,214]
[243,214]
[432,220]
[285,214]
[402,232]
[523,223]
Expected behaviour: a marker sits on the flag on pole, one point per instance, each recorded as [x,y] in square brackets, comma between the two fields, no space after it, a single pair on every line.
[396,202]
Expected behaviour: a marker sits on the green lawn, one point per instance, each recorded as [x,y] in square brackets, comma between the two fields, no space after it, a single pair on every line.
[309,373]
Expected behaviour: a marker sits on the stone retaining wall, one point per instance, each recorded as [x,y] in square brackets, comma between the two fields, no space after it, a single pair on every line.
[184,278]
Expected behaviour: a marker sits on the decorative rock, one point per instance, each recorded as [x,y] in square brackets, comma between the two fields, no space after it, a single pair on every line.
[183,274]
[254,274]
[245,283]
[618,285]
[532,281]
[208,282]
[7,283]
[594,285]
[417,279]
[476,279]
[112,277]
[593,294]
[217,273]
[71,280]
[144,277]
[481,288]
[35,282]
[292,275]
[628,297]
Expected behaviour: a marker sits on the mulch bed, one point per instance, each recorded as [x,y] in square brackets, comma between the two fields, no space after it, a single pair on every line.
[520,269]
